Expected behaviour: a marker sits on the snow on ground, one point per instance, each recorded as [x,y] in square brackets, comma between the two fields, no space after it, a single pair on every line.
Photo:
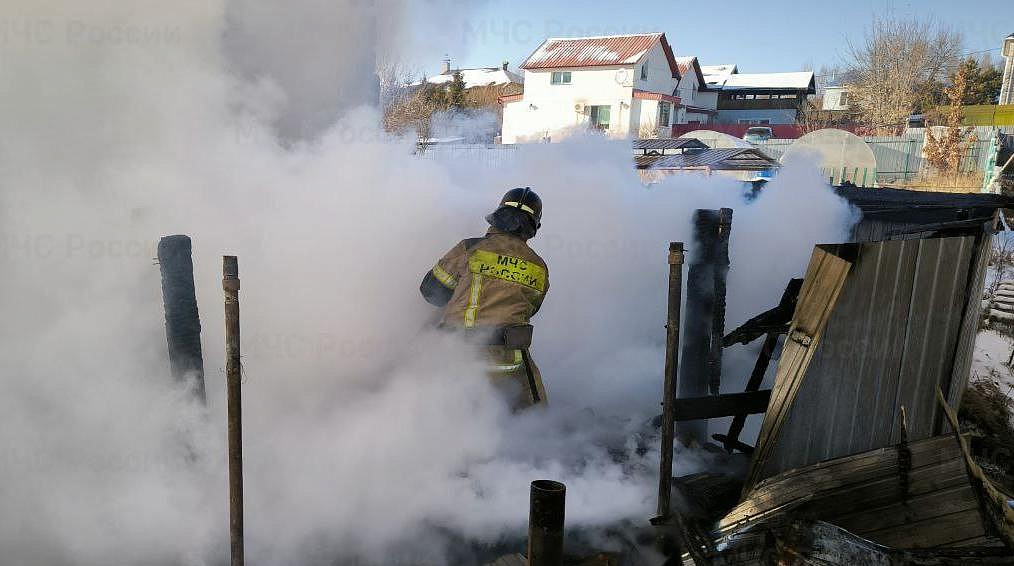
[992,350]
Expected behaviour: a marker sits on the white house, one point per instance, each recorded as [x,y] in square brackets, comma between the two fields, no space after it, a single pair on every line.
[1007,86]
[698,102]
[836,98]
[764,98]
[716,75]
[500,76]
[624,85]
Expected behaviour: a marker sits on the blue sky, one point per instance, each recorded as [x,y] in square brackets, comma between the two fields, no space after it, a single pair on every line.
[757,35]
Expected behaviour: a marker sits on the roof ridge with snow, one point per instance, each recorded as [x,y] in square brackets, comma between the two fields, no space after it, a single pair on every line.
[649,34]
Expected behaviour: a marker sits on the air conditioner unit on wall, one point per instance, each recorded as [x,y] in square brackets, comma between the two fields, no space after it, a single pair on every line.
[579,108]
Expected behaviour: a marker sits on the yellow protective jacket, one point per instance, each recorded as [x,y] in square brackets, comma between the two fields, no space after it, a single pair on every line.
[488,282]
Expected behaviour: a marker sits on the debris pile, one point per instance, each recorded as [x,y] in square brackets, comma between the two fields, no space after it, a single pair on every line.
[860,458]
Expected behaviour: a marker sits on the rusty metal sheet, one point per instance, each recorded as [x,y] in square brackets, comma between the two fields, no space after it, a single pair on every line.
[602,51]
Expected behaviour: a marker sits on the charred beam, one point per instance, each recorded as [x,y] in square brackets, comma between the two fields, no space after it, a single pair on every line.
[727,405]
[775,320]
[182,321]
[701,364]
[720,269]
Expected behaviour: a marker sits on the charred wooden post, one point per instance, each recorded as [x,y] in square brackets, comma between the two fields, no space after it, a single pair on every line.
[672,345]
[230,284]
[700,370]
[182,321]
[545,523]
[720,268]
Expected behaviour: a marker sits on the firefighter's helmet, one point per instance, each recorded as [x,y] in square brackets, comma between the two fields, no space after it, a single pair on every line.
[525,200]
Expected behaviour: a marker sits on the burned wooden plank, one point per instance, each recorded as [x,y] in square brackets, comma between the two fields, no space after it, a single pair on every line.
[731,443]
[731,440]
[861,493]
[725,405]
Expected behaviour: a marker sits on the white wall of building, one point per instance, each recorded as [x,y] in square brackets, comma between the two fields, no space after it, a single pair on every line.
[550,111]
[835,98]
[691,95]
[708,99]
[1007,87]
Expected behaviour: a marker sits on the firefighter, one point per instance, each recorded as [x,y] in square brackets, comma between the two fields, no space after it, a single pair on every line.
[490,287]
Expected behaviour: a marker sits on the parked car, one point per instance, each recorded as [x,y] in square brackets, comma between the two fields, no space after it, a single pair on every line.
[758,134]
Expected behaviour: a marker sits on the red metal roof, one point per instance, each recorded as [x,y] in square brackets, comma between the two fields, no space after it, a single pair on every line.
[598,52]
[507,98]
[691,65]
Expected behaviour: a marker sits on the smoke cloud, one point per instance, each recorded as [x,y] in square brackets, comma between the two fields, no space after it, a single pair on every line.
[365,436]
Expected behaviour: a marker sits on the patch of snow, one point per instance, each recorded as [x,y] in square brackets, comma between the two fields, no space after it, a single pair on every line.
[633,58]
[990,355]
[607,55]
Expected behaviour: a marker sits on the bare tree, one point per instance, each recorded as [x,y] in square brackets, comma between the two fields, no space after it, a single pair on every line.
[411,109]
[896,59]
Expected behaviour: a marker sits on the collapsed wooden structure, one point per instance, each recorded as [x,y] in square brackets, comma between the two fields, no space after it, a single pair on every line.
[857,460]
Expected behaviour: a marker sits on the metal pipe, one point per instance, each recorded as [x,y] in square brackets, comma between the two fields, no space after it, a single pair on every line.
[230,284]
[182,321]
[545,523]
[672,350]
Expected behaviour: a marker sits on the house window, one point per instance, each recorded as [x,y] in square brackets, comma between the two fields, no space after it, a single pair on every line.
[644,72]
[764,122]
[600,117]
[664,110]
[843,98]
[560,78]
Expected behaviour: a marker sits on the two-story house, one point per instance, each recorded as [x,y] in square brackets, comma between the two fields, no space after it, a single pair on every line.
[764,98]
[698,102]
[624,85]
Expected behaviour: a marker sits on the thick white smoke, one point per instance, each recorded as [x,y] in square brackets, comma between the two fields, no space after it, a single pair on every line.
[364,436]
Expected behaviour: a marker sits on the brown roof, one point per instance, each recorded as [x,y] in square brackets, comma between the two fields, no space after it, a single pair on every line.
[691,65]
[598,52]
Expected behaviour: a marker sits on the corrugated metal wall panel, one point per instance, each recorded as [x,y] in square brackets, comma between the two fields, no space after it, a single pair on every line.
[970,325]
[938,303]
[890,341]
